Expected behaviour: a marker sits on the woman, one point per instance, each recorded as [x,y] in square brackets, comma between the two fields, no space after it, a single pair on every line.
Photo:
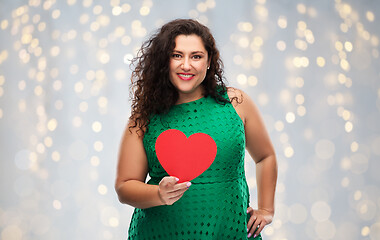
[186,122]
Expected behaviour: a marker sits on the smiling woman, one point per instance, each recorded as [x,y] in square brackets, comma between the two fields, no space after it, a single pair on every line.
[152,87]
[189,132]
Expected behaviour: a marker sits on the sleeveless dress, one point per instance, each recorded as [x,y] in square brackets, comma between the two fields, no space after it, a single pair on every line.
[215,205]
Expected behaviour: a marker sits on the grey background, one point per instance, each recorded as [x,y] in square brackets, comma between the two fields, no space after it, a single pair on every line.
[64,103]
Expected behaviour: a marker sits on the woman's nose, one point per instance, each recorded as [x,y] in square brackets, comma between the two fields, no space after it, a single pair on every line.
[186,64]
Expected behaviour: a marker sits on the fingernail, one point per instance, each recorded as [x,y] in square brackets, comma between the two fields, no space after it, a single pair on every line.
[247,229]
[188,184]
[249,235]
[177,179]
[254,236]
[247,211]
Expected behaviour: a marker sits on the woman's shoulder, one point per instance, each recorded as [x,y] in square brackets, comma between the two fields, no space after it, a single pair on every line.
[242,102]
[135,126]
[235,95]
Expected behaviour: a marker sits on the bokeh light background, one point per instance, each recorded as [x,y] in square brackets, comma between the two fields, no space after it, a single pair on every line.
[312,67]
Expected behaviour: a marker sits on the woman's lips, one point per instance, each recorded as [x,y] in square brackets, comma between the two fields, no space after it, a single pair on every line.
[185,76]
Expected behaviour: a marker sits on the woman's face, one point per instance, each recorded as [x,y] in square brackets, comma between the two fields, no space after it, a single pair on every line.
[188,66]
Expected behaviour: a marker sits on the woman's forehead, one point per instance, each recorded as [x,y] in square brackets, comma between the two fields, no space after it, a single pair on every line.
[192,43]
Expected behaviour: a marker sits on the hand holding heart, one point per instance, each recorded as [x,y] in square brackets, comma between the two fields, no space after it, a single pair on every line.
[185,158]
[170,190]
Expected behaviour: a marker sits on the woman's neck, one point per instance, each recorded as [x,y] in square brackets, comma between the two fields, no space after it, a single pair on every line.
[189,97]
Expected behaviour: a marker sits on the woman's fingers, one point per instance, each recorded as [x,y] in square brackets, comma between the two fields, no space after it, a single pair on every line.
[261,227]
[258,220]
[168,180]
[175,199]
[172,185]
[180,186]
[249,210]
[178,192]
[252,219]
[254,230]
[170,191]
[257,227]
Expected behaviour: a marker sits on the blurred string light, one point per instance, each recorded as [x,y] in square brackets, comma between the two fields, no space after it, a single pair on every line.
[56,96]
[339,98]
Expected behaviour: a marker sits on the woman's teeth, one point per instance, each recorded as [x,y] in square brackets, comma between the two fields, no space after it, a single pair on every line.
[186,76]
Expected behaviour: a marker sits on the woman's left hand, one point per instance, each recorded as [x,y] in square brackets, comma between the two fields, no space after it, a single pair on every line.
[259,219]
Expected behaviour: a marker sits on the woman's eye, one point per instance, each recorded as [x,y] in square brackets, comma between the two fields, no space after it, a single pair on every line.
[197,57]
[176,55]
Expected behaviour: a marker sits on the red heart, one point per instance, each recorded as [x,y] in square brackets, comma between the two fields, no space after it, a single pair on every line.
[182,157]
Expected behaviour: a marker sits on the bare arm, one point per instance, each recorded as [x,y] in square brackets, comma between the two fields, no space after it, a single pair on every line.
[260,148]
[132,170]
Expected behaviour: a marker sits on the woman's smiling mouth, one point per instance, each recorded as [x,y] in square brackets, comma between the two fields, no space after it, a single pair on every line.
[185,76]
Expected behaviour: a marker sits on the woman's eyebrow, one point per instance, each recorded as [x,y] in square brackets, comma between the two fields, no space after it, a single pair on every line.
[198,52]
[195,52]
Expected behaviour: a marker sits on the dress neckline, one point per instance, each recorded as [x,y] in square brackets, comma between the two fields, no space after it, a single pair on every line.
[191,102]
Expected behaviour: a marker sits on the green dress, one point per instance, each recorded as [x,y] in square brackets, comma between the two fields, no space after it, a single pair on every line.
[215,205]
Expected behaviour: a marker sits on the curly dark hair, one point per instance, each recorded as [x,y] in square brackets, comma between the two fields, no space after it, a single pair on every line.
[151,88]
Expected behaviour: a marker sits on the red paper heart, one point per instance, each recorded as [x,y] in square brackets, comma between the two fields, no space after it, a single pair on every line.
[182,157]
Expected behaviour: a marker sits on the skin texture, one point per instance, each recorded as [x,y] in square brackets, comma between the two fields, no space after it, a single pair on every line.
[190,57]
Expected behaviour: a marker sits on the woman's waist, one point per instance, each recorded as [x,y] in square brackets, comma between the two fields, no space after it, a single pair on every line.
[204,179]
[215,196]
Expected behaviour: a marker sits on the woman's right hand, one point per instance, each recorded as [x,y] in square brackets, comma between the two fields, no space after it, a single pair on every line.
[170,191]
